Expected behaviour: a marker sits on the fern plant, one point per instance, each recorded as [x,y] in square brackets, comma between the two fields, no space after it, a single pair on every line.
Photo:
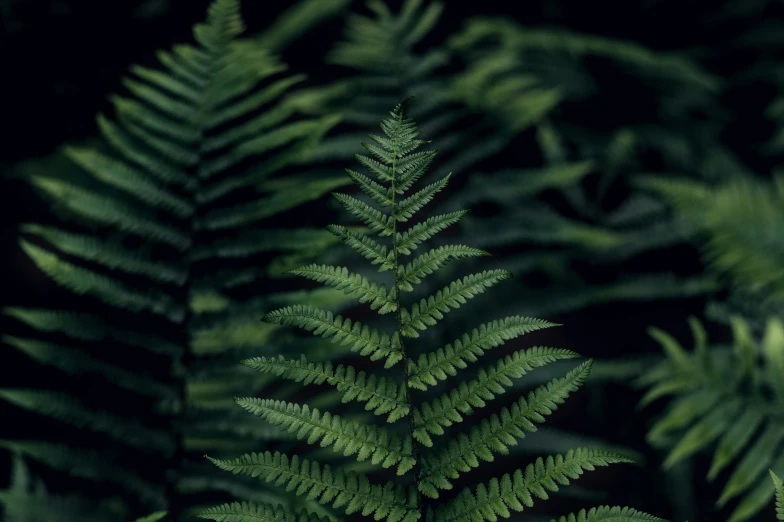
[160,234]
[425,460]
[738,225]
[731,397]
[779,488]
[578,196]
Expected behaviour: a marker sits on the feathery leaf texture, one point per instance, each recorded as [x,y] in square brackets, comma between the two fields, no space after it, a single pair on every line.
[193,146]
[779,487]
[381,394]
[728,398]
[254,512]
[423,467]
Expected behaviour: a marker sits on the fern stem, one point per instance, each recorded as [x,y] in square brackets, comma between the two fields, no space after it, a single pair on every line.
[406,377]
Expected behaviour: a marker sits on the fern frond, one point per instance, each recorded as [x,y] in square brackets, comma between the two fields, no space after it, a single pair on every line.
[344,436]
[425,469]
[500,431]
[354,285]
[444,362]
[70,410]
[607,513]
[445,410]
[344,332]
[517,491]
[725,401]
[412,204]
[108,254]
[425,264]
[85,327]
[779,487]
[382,395]
[76,362]
[367,247]
[414,236]
[84,281]
[253,512]
[429,310]
[351,491]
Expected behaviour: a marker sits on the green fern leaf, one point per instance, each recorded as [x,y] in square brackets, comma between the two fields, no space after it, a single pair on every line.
[443,362]
[348,437]
[340,331]
[352,491]
[251,512]
[381,395]
[352,284]
[500,431]
[515,492]
[614,514]
[779,487]
[429,310]
[445,410]
[422,468]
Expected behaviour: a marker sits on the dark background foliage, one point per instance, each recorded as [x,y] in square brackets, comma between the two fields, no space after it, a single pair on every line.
[63,57]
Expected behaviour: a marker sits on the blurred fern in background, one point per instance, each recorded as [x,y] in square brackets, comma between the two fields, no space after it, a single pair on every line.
[160,234]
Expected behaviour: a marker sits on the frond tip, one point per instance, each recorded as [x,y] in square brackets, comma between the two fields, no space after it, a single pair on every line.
[253,512]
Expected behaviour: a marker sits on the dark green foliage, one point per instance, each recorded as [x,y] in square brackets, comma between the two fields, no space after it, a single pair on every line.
[413,440]
[739,223]
[164,228]
[728,398]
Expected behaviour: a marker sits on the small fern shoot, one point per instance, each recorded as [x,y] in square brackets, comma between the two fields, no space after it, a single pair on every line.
[779,488]
[412,439]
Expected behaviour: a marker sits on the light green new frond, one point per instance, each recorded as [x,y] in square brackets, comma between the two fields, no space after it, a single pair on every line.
[431,309]
[253,512]
[155,517]
[414,236]
[609,514]
[498,432]
[517,491]
[372,217]
[351,491]
[445,410]
[348,437]
[382,395]
[69,410]
[408,207]
[341,331]
[83,281]
[779,489]
[365,246]
[442,363]
[354,285]
[110,254]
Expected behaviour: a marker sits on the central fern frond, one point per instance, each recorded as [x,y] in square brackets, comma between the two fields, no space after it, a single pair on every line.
[407,440]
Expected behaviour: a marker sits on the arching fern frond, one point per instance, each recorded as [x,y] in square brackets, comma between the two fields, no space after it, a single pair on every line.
[153,247]
[423,468]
